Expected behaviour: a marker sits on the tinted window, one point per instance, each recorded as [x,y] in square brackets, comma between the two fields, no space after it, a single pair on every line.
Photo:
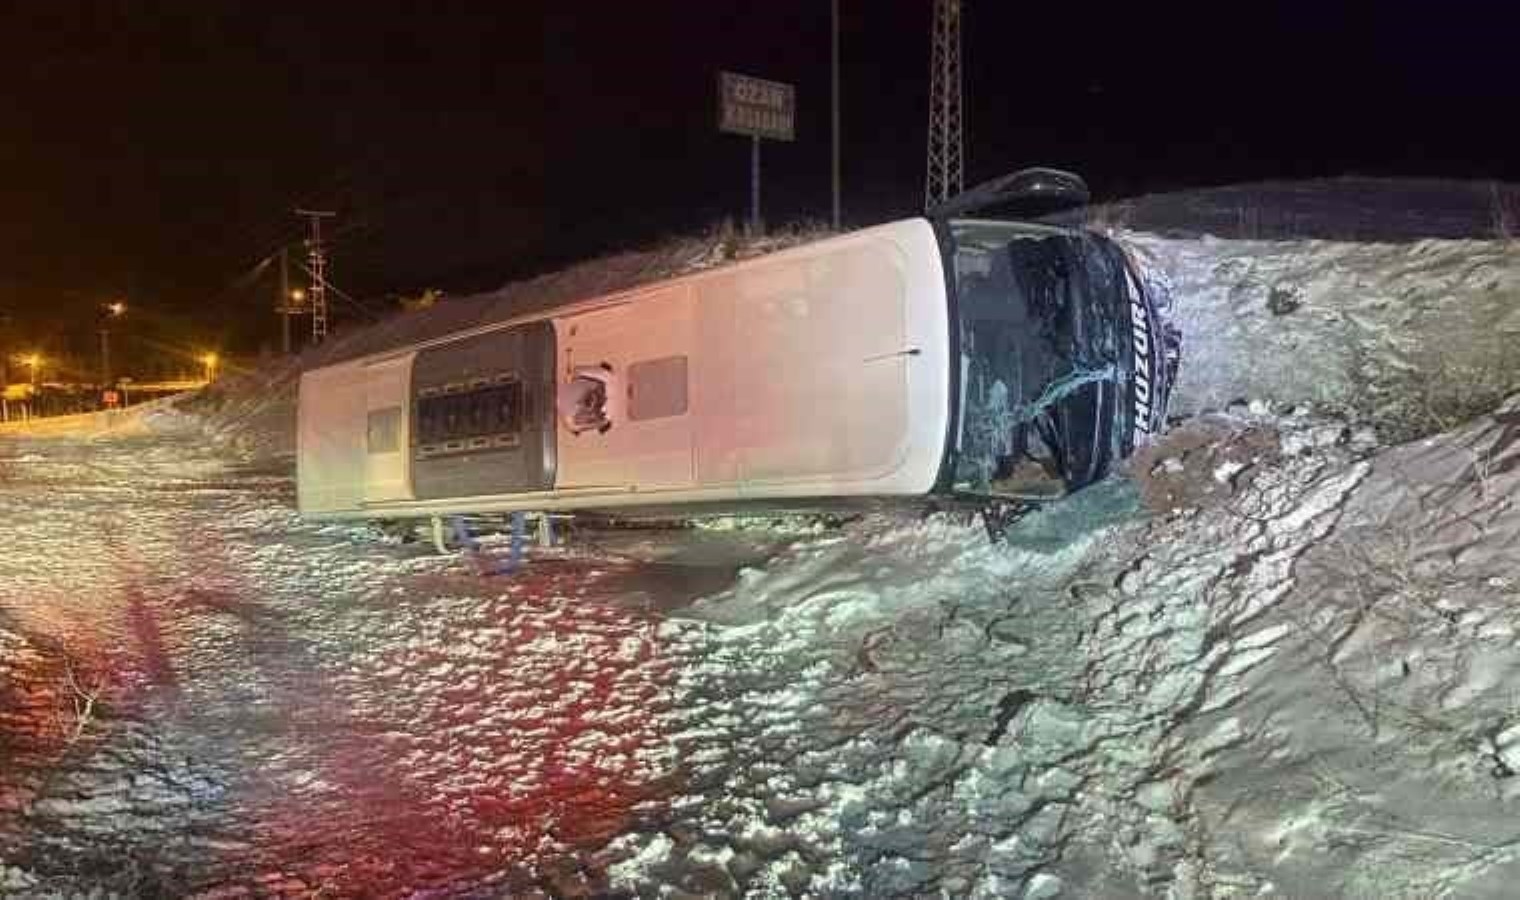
[657,388]
[385,430]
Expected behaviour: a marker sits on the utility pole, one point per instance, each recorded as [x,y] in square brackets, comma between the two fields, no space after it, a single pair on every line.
[755,226]
[316,255]
[105,358]
[283,303]
[946,156]
[834,19]
[284,306]
[109,312]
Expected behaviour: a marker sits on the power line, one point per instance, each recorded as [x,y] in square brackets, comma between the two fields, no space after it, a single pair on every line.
[834,104]
[357,304]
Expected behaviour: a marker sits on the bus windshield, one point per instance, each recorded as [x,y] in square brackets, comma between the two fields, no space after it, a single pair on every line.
[1043,317]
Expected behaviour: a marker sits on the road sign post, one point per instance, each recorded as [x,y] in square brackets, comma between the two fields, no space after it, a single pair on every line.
[760,109]
[754,184]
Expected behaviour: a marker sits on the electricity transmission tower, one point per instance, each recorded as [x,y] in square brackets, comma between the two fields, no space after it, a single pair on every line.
[316,255]
[945,152]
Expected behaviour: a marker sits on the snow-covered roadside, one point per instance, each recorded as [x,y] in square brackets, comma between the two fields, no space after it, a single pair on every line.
[1413,338]
[287,708]
[1109,704]
[1379,753]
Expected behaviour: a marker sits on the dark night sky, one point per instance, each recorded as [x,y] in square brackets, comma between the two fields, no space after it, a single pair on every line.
[154,150]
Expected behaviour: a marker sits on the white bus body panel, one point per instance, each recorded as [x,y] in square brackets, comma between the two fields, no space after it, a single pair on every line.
[654,453]
[330,440]
[820,371]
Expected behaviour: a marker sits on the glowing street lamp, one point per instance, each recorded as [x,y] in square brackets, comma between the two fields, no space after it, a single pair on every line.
[113,310]
[210,361]
[298,296]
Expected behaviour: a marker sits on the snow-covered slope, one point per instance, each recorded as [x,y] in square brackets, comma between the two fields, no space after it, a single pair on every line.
[1413,338]
[1298,685]
[1275,661]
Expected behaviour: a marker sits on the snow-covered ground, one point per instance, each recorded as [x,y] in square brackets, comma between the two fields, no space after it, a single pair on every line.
[198,691]
[1299,685]
[1413,338]
[1277,658]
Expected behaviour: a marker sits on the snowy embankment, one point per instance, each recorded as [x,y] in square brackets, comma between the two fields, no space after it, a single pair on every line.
[1412,338]
[1275,660]
[1283,670]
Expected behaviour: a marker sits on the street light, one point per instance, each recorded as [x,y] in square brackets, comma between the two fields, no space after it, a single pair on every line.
[113,310]
[210,360]
[32,361]
[298,295]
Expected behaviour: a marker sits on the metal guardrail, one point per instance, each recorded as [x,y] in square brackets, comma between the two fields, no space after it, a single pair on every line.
[18,419]
[163,387]
[100,422]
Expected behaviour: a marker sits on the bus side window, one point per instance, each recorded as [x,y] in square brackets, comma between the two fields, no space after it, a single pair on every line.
[657,388]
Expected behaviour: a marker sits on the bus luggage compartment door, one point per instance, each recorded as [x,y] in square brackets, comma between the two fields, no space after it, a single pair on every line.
[483,415]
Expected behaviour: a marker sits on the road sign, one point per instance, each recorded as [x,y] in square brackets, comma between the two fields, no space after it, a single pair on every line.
[759,109]
[756,107]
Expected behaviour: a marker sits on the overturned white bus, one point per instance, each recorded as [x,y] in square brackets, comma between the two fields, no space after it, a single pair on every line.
[935,356]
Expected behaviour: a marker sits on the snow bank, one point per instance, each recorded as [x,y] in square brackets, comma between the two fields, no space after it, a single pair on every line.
[1110,703]
[1377,748]
[290,708]
[1414,338]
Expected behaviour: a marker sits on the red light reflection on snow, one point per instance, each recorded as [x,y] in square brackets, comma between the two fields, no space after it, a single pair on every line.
[510,747]
[459,742]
